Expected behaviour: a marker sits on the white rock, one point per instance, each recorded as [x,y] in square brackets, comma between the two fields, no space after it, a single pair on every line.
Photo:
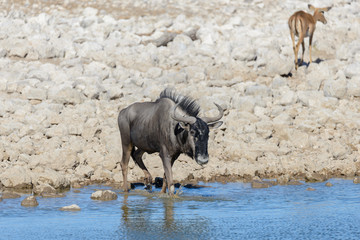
[3,83]
[353,86]
[29,201]
[257,90]
[335,88]
[35,93]
[245,53]
[16,177]
[275,64]
[72,207]
[205,35]
[352,70]
[18,48]
[65,95]
[84,171]
[285,96]
[53,178]
[104,195]
[246,103]
[3,53]
[89,12]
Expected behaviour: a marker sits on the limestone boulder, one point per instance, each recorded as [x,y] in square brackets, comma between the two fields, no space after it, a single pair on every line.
[53,178]
[65,95]
[335,88]
[353,86]
[10,195]
[29,201]
[72,207]
[352,70]
[43,188]
[17,177]
[104,195]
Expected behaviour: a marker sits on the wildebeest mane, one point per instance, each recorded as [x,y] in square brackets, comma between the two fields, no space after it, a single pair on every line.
[187,104]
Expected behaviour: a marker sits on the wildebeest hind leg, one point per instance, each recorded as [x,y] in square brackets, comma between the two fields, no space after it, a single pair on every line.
[124,164]
[137,156]
[163,188]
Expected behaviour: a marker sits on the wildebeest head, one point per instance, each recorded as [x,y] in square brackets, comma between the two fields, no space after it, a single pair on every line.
[197,133]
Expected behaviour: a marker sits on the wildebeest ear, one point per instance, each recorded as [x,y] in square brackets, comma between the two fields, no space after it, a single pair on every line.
[184,126]
[215,124]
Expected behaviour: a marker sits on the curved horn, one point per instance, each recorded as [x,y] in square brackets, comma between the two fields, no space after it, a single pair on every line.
[190,120]
[214,119]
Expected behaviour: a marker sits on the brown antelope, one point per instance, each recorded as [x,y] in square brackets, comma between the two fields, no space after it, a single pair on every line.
[302,24]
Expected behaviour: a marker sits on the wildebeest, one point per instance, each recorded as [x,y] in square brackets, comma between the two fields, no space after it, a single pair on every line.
[169,126]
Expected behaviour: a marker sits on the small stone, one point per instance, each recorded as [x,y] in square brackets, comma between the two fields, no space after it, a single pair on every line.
[52,195]
[315,177]
[283,180]
[106,195]
[310,189]
[258,184]
[30,201]
[10,195]
[356,180]
[73,207]
[76,185]
[43,188]
[328,184]
[295,183]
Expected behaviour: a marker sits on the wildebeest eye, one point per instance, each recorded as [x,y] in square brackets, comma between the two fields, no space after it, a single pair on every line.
[192,132]
[322,12]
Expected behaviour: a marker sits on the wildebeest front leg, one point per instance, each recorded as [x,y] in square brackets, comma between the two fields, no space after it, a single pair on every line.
[163,189]
[137,156]
[166,159]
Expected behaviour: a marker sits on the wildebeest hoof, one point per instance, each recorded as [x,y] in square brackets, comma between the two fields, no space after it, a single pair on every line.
[148,187]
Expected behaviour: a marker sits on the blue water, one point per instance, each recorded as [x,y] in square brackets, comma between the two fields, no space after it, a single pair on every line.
[223,211]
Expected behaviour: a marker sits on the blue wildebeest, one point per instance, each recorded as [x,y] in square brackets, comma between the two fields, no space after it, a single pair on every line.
[169,126]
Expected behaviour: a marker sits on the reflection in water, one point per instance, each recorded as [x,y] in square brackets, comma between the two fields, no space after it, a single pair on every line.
[125,209]
[157,218]
[169,214]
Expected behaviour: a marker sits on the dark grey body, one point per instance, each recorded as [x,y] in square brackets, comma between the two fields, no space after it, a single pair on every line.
[151,127]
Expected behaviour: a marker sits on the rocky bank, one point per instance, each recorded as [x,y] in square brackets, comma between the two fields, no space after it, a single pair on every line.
[67,69]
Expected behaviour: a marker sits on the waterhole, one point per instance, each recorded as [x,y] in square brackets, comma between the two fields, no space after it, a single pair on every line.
[218,211]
